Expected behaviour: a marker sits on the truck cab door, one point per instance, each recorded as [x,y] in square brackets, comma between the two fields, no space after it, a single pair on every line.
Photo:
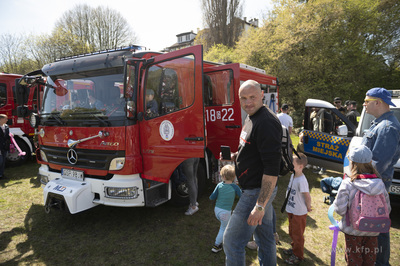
[326,136]
[171,115]
[222,107]
[6,96]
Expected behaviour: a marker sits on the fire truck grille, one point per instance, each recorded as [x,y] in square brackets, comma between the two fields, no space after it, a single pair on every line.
[92,159]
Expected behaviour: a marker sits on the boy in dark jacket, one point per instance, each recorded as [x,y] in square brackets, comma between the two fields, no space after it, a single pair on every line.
[4,143]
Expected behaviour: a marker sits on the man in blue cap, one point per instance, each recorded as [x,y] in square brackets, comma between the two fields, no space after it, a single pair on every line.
[383,139]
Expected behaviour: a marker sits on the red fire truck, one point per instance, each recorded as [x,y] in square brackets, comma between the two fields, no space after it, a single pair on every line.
[115,126]
[20,127]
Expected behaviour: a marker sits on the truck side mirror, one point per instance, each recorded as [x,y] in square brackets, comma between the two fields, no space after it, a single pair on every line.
[342,130]
[130,110]
[23,111]
[21,92]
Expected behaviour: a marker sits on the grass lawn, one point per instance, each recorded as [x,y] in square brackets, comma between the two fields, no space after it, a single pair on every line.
[142,236]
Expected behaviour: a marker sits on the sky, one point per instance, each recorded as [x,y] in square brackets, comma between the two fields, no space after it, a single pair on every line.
[155,22]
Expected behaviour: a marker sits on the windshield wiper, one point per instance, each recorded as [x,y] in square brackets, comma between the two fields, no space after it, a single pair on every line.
[93,114]
[104,122]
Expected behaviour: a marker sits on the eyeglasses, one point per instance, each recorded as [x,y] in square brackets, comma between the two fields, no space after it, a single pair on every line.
[366,101]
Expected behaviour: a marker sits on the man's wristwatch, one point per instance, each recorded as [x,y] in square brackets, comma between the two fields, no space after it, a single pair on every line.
[260,208]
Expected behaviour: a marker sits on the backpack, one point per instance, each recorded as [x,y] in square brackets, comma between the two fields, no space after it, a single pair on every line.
[287,153]
[369,213]
[286,160]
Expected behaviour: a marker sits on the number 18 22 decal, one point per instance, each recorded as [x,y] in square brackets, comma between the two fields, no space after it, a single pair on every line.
[225,114]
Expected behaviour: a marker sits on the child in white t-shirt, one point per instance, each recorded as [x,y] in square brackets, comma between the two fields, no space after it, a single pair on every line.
[298,205]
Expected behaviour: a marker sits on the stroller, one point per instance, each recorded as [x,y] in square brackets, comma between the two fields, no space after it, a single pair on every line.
[330,185]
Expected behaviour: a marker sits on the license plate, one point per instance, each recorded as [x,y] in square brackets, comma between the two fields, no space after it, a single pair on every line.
[394,189]
[72,174]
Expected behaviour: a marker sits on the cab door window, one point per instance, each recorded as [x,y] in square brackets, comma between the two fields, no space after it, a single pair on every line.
[169,87]
[321,120]
[3,94]
[324,120]
[219,79]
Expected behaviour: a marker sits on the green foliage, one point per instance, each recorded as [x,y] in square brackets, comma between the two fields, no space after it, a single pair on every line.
[326,48]
[220,53]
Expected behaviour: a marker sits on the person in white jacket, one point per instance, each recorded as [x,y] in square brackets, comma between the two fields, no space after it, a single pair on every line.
[285,118]
[361,246]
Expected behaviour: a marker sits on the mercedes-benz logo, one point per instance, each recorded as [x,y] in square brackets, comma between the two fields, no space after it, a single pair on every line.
[72,156]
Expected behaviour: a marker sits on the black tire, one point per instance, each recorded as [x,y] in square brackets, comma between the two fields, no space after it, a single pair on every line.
[13,159]
[180,196]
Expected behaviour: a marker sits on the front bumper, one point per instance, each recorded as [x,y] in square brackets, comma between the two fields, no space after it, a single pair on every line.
[120,191]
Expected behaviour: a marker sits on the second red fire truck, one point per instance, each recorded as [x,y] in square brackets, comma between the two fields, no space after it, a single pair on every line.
[19,127]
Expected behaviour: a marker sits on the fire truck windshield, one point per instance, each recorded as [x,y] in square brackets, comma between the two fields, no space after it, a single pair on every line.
[92,100]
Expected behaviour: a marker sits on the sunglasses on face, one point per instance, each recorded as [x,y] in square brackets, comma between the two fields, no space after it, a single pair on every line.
[366,101]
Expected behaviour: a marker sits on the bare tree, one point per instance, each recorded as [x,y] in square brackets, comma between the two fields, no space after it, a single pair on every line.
[88,29]
[222,18]
[80,30]
[44,49]
[14,54]
[111,30]
[10,52]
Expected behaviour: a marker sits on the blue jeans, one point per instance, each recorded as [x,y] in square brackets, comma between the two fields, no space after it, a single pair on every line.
[189,169]
[223,216]
[274,218]
[238,231]
[383,255]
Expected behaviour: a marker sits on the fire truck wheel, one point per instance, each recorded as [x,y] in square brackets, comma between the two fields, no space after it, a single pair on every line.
[13,159]
[180,194]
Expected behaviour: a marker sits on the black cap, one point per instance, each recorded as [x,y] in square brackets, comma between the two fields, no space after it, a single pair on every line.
[285,106]
[337,99]
[353,102]
[149,92]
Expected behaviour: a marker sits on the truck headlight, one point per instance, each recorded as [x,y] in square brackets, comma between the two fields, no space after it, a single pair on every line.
[41,132]
[34,120]
[43,179]
[117,164]
[43,156]
[122,192]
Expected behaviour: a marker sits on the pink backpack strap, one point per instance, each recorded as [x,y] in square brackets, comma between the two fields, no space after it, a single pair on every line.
[347,217]
[367,176]
[357,195]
